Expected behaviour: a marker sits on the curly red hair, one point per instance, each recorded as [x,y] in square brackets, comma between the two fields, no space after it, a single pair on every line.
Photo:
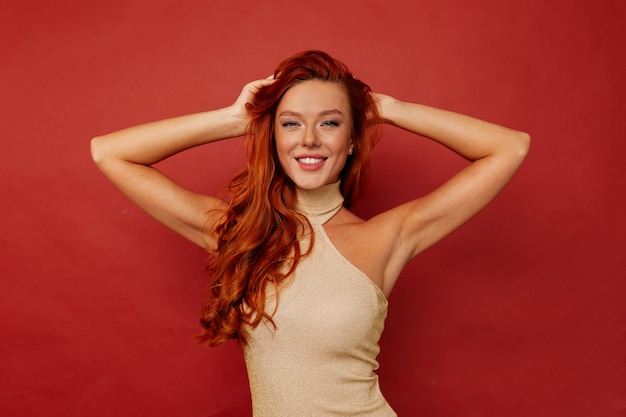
[258,238]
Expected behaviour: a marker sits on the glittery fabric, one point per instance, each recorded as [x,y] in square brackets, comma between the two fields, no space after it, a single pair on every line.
[320,360]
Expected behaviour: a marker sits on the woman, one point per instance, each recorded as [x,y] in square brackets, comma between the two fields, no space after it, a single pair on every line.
[300,280]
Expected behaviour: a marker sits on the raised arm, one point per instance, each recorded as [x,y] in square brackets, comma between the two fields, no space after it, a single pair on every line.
[496,153]
[126,158]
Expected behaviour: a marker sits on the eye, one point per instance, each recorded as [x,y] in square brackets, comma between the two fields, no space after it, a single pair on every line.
[331,123]
[289,123]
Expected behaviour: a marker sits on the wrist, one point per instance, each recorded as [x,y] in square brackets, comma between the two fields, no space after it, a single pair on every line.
[389,110]
[233,123]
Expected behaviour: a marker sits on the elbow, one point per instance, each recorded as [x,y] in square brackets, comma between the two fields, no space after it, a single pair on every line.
[525,140]
[96,149]
[522,145]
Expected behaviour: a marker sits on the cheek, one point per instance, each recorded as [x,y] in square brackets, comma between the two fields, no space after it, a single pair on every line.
[344,142]
[282,150]
[281,145]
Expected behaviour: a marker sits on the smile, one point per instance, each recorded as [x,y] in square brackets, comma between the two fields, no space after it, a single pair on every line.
[310,161]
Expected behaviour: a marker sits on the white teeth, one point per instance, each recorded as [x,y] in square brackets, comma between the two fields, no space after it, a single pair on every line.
[310,161]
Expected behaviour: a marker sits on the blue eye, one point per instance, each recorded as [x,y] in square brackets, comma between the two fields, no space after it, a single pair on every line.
[289,124]
[333,123]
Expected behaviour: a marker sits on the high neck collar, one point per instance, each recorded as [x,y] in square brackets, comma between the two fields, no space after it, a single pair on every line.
[320,204]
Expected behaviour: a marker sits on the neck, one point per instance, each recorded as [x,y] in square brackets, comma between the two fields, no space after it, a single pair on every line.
[320,204]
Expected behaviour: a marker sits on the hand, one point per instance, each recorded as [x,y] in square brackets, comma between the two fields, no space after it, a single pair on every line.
[239,107]
[385,104]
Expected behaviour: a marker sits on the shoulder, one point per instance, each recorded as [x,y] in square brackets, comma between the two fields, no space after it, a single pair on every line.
[371,245]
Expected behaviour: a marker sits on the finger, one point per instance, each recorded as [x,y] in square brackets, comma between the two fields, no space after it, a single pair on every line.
[262,83]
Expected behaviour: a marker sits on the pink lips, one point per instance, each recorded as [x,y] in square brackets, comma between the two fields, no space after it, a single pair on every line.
[311,162]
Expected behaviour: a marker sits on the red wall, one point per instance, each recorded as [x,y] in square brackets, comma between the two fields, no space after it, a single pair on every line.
[520,313]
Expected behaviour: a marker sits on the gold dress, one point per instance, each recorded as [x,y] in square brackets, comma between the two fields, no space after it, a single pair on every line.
[320,360]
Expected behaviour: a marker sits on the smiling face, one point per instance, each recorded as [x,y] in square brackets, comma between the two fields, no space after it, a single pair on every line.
[312,127]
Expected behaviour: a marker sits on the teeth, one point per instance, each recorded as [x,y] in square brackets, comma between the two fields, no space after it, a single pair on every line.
[310,160]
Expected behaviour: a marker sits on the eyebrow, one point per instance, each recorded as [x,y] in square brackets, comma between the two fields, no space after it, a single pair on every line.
[322,113]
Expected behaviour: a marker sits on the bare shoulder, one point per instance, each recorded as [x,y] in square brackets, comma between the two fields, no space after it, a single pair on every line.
[368,245]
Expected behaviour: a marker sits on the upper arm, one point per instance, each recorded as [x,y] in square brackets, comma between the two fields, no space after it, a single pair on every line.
[420,223]
[189,214]
[429,219]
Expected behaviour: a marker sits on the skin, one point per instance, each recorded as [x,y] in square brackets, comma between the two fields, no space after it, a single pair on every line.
[313,128]
[303,129]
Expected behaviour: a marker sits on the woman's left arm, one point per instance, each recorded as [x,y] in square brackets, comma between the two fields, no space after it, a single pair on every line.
[496,153]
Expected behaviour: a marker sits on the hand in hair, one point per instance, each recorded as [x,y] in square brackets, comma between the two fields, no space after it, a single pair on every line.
[239,108]
[384,104]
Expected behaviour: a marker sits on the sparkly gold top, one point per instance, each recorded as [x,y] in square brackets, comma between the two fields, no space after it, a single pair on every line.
[320,360]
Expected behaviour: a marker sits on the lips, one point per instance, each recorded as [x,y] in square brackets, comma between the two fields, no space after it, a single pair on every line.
[311,162]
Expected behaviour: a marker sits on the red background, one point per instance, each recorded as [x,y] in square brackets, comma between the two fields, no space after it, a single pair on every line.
[519,313]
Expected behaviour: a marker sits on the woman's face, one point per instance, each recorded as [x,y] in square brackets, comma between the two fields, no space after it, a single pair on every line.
[312,127]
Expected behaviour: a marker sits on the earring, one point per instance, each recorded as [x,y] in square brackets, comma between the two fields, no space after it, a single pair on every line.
[350,150]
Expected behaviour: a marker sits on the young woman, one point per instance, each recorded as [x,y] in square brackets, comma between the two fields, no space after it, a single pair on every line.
[300,280]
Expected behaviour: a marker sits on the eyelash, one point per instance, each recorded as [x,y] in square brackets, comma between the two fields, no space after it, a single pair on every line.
[332,123]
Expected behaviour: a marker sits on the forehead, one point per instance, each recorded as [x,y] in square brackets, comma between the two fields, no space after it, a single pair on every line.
[314,96]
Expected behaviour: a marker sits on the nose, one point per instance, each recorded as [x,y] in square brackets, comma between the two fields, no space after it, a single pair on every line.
[310,138]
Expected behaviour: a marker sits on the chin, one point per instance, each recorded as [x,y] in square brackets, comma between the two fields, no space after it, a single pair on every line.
[311,184]
[308,185]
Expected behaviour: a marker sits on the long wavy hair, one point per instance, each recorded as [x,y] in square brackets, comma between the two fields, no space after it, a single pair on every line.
[258,237]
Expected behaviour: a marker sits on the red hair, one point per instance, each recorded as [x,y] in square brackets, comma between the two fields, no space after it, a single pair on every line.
[258,236]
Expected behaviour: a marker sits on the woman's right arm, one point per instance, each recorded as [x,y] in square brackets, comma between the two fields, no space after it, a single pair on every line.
[126,158]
